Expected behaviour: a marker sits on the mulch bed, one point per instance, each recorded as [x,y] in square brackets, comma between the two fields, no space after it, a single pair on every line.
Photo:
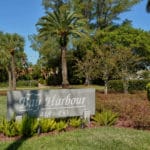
[4,138]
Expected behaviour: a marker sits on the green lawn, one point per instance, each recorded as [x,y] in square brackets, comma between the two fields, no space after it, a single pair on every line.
[3,106]
[104,138]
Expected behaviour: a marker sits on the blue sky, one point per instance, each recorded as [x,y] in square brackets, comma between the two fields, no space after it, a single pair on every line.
[140,18]
[20,16]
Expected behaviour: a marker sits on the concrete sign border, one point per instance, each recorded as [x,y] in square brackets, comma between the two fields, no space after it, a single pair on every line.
[51,103]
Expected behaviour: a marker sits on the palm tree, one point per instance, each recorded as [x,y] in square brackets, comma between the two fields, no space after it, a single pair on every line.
[5,59]
[62,24]
[11,43]
[5,63]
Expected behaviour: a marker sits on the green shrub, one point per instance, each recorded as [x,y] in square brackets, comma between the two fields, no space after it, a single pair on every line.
[145,74]
[47,124]
[3,84]
[22,83]
[134,85]
[61,125]
[138,85]
[115,86]
[148,91]
[105,118]
[42,81]
[75,122]
[10,128]
[53,80]
[29,126]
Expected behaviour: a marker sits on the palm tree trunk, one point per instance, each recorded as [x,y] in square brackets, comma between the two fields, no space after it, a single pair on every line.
[9,78]
[13,73]
[65,82]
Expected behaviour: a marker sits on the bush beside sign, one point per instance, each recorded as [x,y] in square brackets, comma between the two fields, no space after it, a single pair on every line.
[51,103]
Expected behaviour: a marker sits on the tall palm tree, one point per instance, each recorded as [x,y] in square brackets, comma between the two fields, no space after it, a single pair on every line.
[62,24]
[11,43]
[5,63]
[5,59]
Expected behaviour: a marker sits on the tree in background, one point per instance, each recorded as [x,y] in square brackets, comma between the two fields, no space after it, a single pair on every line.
[53,5]
[85,68]
[135,39]
[11,44]
[106,11]
[49,55]
[126,65]
[5,64]
[122,49]
[83,53]
[148,6]
[98,13]
[106,65]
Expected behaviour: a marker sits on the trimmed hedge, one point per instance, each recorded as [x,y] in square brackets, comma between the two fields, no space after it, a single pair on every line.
[134,85]
[22,83]
[138,84]
[53,80]
[115,86]
[3,84]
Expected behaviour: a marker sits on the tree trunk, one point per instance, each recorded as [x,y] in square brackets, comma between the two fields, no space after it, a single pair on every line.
[106,88]
[125,86]
[106,79]
[9,78]
[125,79]
[87,80]
[13,73]
[65,82]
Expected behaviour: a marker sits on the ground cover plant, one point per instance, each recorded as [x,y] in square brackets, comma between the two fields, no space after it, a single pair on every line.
[105,118]
[3,106]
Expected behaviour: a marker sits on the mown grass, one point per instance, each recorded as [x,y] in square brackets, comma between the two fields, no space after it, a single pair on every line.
[3,106]
[103,138]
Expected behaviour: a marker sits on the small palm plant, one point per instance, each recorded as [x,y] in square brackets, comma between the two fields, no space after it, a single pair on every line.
[75,122]
[61,125]
[47,124]
[105,118]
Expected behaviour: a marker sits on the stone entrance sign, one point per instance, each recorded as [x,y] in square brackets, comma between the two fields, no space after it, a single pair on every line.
[51,103]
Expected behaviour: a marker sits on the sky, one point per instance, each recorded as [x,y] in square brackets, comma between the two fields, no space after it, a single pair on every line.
[138,15]
[20,16]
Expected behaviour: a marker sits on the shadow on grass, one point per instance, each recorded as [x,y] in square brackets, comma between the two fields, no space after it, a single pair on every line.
[16,144]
